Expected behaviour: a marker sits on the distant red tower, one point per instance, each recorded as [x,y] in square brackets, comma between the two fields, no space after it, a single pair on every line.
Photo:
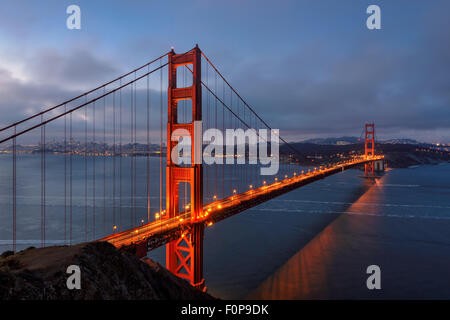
[369,148]
[184,256]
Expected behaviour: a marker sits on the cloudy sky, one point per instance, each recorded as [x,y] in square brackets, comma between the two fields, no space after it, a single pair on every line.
[311,68]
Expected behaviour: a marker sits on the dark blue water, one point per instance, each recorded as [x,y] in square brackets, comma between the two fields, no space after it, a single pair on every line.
[93,214]
[315,242]
[113,195]
[401,224]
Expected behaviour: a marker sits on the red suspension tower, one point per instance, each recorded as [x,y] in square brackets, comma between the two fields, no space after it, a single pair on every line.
[184,256]
[369,148]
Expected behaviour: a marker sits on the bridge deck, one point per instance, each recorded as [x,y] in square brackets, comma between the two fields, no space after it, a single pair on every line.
[162,231]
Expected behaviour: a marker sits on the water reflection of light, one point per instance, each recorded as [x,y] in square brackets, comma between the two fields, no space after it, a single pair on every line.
[314,272]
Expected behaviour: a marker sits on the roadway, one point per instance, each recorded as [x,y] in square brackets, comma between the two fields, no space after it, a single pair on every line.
[164,230]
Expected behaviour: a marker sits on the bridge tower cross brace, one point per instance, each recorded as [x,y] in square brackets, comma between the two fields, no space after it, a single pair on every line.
[369,148]
[184,256]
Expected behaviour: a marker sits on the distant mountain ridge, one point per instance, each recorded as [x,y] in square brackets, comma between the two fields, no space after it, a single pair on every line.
[403,141]
[352,140]
[333,141]
[399,153]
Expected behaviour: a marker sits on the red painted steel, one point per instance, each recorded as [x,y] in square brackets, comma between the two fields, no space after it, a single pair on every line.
[369,148]
[184,256]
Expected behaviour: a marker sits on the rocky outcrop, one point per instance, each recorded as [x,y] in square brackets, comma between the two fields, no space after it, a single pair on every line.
[106,273]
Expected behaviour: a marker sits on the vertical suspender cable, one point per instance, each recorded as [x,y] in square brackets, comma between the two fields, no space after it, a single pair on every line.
[148,148]
[93,171]
[120,158]
[65,175]
[231,127]
[207,127]
[185,120]
[104,162]
[45,184]
[70,177]
[253,182]
[215,127]
[114,165]
[161,139]
[134,152]
[14,191]
[132,163]
[134,148]
[85,171]
[42,183]
[223,130]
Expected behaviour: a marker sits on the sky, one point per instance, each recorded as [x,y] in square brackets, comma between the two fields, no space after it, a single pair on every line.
[309,67]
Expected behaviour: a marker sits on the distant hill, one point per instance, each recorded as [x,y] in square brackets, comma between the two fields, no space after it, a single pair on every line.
[354,140]
[398,154]
[333,141]
[402,141]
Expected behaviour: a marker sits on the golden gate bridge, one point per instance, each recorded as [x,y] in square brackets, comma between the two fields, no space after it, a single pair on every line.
[109,127]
